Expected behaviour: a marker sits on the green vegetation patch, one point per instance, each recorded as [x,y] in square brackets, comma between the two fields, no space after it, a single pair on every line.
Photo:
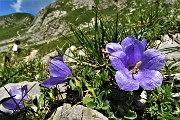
[11,24]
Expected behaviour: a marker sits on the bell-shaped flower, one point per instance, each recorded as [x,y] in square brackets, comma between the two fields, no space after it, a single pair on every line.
[58,72]
[136,66]
[17,96]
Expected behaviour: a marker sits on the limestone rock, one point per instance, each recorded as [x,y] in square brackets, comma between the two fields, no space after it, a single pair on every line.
[48,23]
[171,1]
[32,56]
[141,101]
[170,46]
[176,96]
[77,112]
[71,53]
[51,21]
[46,59]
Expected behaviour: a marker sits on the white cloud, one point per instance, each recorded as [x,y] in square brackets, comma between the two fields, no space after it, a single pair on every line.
[17,5]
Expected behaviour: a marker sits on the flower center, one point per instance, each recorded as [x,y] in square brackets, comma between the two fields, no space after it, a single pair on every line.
[134,69]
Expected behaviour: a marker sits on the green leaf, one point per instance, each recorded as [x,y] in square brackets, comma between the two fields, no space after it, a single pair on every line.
[41,100]
[131,115]
[72,85]
[121,112]
[178,85]
[91,104]
[77,83]
[105,107]
[175,118]
[87,99]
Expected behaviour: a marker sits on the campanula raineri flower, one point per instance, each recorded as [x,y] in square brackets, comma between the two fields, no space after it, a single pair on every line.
[17,94]
[136,66]
[58,72]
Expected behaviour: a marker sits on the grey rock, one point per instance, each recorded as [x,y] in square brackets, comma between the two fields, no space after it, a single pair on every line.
[77,112]
[172,2]
[71,53]
[142,99]
[48,24]
[46,59]
[177,76]
[170,46]
[32,56]
[62,90]
[50,21]
[83,3]
[32,86]
[176,96]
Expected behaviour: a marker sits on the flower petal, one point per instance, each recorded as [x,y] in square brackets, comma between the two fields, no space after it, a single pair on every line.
[15,92]
[50,82]
[134,52]
[125,81]
[144,42]
[11,105]
[24,92]
[153,59]
[58,68]
[60,56]
[118,60]
[127,41]
[149,79]
[113,47]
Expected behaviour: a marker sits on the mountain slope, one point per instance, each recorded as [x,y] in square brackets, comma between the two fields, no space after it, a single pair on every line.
[12,23]
[54,20]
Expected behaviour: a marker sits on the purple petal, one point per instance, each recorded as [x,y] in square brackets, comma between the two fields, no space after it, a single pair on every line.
[50,82]
[60,57]
[134,52]
[17,93]
[58,68]
[11,105]
[113,47]
[24,92]
[144,42]
[125,81]
[149,79]
[153,59]
[127,41]
[118,60]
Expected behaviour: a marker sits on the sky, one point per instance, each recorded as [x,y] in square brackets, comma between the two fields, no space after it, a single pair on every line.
[28,6]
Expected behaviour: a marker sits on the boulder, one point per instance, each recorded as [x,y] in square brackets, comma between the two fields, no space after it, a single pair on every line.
[170,46]
[32,56]
[46,59]
[76,112]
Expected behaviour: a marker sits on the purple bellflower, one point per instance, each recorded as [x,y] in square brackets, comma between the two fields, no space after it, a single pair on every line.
[58,72]
[136,66]
[17,95]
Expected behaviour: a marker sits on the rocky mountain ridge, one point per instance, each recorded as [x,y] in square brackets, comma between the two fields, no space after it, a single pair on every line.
[54,19]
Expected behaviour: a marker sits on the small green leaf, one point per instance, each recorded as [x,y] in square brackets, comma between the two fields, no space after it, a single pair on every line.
[41,100]
[175,118]
[87,99]
[91,104]
[131,115]
[121,112]
[72,85]
[178,85]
